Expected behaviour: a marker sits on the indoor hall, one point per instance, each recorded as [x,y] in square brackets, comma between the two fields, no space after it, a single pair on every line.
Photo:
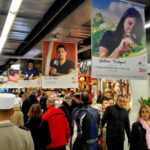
[68,21]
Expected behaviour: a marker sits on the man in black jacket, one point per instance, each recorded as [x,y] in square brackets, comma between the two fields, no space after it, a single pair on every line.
[28,102]
[117,121]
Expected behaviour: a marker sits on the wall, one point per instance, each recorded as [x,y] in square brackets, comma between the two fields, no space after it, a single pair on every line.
[138,88]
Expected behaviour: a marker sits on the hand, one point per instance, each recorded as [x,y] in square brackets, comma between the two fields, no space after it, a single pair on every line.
[53,70]
[125,44]
[23,76]
[128,144]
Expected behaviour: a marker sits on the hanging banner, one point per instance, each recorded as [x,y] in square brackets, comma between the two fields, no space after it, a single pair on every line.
[10,77]
[59,65]
[30,73]
[118,40]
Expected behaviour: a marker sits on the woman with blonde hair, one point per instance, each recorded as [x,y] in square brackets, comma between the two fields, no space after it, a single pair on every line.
[17,117]
[39,128]
[140,135]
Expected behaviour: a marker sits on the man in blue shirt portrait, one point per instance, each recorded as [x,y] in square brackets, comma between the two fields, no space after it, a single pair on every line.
[30,72]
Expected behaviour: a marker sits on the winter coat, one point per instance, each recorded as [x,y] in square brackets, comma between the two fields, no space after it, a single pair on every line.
[28,102]
[14,138]
[58,125]
[40,132]
[138,137]
[117,122]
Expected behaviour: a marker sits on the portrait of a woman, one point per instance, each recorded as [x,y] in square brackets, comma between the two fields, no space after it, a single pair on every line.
[129,31]
[13,76]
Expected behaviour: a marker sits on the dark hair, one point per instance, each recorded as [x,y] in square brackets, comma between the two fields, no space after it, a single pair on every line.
[31,61]
[138,29]
[77,96]
[85,97]
[11,70]
[120,96]
[60,46]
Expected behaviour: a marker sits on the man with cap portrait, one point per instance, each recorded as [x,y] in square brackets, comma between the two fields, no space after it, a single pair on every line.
[30,72]
[11,136]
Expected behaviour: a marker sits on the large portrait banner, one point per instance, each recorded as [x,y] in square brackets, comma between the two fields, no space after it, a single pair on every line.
[118,40]
[59,65]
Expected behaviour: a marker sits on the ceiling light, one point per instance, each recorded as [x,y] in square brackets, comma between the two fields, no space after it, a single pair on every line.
[147,25]
[13,10]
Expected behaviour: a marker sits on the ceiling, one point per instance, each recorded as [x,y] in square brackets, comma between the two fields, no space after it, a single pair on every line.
[65,20]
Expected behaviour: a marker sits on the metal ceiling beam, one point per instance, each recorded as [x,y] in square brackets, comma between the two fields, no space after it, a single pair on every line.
[19,15]
[16,41]
[50,20]
[9,48]
[18,31]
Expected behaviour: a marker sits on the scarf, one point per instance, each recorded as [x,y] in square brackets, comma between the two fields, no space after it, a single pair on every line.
[147,128]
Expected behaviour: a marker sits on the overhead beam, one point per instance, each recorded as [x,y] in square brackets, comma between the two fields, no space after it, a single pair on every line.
[19,15]
[56,14]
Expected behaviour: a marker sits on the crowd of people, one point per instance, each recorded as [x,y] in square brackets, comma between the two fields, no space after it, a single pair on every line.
[56,120]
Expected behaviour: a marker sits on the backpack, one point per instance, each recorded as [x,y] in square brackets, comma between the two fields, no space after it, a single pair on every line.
[78,141]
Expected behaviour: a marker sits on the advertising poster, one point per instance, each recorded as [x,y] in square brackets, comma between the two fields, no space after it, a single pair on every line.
[118,40]
[59,65]
[30,73]
[10,77]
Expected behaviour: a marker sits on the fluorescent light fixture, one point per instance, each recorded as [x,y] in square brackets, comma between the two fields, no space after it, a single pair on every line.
[13,10]
[147,25]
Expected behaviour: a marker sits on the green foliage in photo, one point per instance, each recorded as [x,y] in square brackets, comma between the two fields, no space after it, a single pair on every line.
[100,26]
[98,32]
[135,48]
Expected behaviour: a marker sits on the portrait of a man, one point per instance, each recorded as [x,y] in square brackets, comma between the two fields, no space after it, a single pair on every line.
[61,65]
[29,72]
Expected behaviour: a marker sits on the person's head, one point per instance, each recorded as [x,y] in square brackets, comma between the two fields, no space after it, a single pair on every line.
[50,102]
[35,111]
[68,100]
[77,98]
[11,72]
[131,23]
[71,93]
[120,101]
[7,102]
[17,94]
[85,97]
[144,113]
[34,93]
[30,64]
[61,52]
[45,94]
[108,94]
